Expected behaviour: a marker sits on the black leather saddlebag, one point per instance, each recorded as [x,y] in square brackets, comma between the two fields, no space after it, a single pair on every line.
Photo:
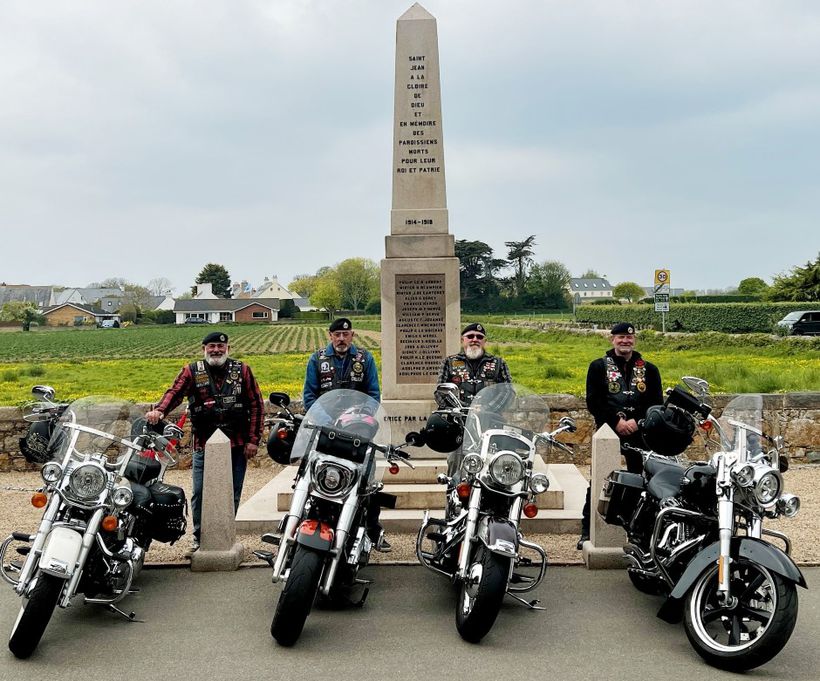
[169,512]
[619,497]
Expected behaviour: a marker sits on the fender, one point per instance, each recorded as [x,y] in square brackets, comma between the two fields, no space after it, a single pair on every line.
[499,535]
[315,535]
[756,550]
[62,549]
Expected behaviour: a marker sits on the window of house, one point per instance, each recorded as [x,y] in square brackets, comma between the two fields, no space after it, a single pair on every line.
[260,315]
[225,317]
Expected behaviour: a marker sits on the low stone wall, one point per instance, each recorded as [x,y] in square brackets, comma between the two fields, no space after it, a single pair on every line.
[795,416]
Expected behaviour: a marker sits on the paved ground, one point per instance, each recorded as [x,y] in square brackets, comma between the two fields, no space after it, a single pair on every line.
[217,626]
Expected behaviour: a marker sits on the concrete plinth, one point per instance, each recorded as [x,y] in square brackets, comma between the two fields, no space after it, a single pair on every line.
[219,549]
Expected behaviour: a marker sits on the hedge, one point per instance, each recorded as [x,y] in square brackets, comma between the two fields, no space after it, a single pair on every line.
[694,317]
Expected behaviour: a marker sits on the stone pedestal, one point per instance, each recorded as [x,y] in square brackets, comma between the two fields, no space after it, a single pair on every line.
[219,549]
[604,550]
[421,305]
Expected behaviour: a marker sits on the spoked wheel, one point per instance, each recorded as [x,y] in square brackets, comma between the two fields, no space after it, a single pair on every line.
[481,594]
[297,596]
[35,614]
[753,629]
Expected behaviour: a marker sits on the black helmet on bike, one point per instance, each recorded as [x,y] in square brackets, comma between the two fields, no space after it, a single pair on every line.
[667,430]
[280,442]
[442,434]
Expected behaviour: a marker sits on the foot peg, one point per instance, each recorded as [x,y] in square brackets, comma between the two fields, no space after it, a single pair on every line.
[267,556]
[270,538]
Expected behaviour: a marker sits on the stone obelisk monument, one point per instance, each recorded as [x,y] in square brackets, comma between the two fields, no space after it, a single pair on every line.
[421,305]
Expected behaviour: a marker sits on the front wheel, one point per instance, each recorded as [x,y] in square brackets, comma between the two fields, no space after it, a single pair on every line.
[481,594]
[34,615]
[297,596]
[750,632]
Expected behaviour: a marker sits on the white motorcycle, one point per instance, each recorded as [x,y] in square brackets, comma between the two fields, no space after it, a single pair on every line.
[104,503]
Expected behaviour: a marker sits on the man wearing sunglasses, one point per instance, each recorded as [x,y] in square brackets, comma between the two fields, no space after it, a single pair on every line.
[473,368]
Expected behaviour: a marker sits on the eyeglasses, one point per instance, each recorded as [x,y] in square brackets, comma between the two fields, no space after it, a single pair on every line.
[474,336]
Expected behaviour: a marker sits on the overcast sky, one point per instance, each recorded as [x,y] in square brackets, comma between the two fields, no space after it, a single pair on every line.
[143,139]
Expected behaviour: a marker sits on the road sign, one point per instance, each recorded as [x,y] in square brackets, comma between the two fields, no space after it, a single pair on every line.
[661,302]
[662,281]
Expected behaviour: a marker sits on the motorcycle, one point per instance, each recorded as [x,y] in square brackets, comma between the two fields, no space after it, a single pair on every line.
[331,527]
[695,530]
[479,544]
[104,502]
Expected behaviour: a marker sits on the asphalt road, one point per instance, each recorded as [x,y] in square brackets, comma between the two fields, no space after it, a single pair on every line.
[217,626]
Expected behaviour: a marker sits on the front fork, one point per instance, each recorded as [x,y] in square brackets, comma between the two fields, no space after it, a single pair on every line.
[292,520]
[726,517]
[473,505]
[37,545]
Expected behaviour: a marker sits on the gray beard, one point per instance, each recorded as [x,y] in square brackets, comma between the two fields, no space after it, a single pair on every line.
[474,353]
[216,361]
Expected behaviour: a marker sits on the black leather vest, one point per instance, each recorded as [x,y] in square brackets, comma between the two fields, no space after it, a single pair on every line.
[211,408]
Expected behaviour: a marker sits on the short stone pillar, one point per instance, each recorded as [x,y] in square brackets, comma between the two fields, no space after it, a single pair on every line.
[219,549]
[604,550]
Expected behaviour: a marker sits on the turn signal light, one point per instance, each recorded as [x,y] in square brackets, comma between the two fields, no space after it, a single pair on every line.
[109,523]
[706,425]
[394,468]
[530,510]
[463,490]
[39,499]
[282,434]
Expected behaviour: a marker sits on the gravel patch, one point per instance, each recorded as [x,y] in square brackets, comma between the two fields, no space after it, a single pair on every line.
[16,513]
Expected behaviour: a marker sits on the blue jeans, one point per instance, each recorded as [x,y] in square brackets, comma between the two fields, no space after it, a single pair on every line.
[239,465]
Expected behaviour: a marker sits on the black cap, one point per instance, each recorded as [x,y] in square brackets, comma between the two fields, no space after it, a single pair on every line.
[622,329]
[475,326]
[341,324]
[215,337]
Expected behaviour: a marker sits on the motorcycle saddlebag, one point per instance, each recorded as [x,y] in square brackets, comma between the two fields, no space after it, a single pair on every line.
[619,497]
[169,512]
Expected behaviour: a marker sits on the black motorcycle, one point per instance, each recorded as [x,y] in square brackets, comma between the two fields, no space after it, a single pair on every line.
[104,502]
[479,544]
[695,530]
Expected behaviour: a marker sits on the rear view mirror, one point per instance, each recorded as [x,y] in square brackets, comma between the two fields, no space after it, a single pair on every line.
[43,392]
[447,395]
[568,423]
[279,399]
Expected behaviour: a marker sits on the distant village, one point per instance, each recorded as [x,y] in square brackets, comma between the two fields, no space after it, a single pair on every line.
[103,306]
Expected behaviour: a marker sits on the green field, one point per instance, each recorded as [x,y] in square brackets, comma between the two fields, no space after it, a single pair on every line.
[138,363]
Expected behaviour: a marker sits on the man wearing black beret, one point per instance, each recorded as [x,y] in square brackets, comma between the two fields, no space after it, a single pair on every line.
[340,365]
[222,393]
[621,386]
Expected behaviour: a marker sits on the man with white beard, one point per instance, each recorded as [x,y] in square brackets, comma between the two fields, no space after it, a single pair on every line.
[472,370]
[222,393]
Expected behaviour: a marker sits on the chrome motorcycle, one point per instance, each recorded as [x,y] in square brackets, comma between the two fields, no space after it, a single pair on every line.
[695,529]
[342,449]
[104,502]
[479,544]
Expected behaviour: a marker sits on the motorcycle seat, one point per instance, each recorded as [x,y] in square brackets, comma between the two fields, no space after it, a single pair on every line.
[666,482]
[654,465]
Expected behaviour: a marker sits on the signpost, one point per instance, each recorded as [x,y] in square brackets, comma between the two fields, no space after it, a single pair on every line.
[662,290]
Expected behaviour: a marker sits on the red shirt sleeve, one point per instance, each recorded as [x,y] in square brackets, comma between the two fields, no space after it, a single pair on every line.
[256,406]
[179,390]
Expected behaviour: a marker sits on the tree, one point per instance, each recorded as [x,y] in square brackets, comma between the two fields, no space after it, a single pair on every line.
[217,276]
[137,295]
[519,257]
[160,286]
[21,311]
[477,267]
[302,284]
[752,286]
[326,294]
[629,290]
[358,280]
[802,284]
[547,285]
[590,274]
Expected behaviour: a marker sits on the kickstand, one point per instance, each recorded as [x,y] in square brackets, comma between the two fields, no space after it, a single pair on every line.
[532,605]
[130,616]
[360,602]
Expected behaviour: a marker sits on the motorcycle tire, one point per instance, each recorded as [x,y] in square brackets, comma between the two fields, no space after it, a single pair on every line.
[481,595]
[34,616]
[749,634]
[648,585]
[298,594]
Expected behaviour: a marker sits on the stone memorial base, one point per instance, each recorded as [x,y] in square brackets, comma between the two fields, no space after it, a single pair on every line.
[217,560]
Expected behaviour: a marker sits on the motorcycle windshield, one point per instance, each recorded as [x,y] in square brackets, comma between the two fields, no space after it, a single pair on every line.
[504,406]
[742,410]
[97,426]
[357,417]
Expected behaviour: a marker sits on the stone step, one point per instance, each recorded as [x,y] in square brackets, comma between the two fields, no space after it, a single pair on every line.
[262,513]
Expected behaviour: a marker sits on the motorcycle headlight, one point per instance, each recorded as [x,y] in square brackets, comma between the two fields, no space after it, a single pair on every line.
[744,475]
[122,496]
[472,463]
[539,483]
[51,472]
[506,469]
[87,481]
[332,479]
[788,505]
[768,485]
